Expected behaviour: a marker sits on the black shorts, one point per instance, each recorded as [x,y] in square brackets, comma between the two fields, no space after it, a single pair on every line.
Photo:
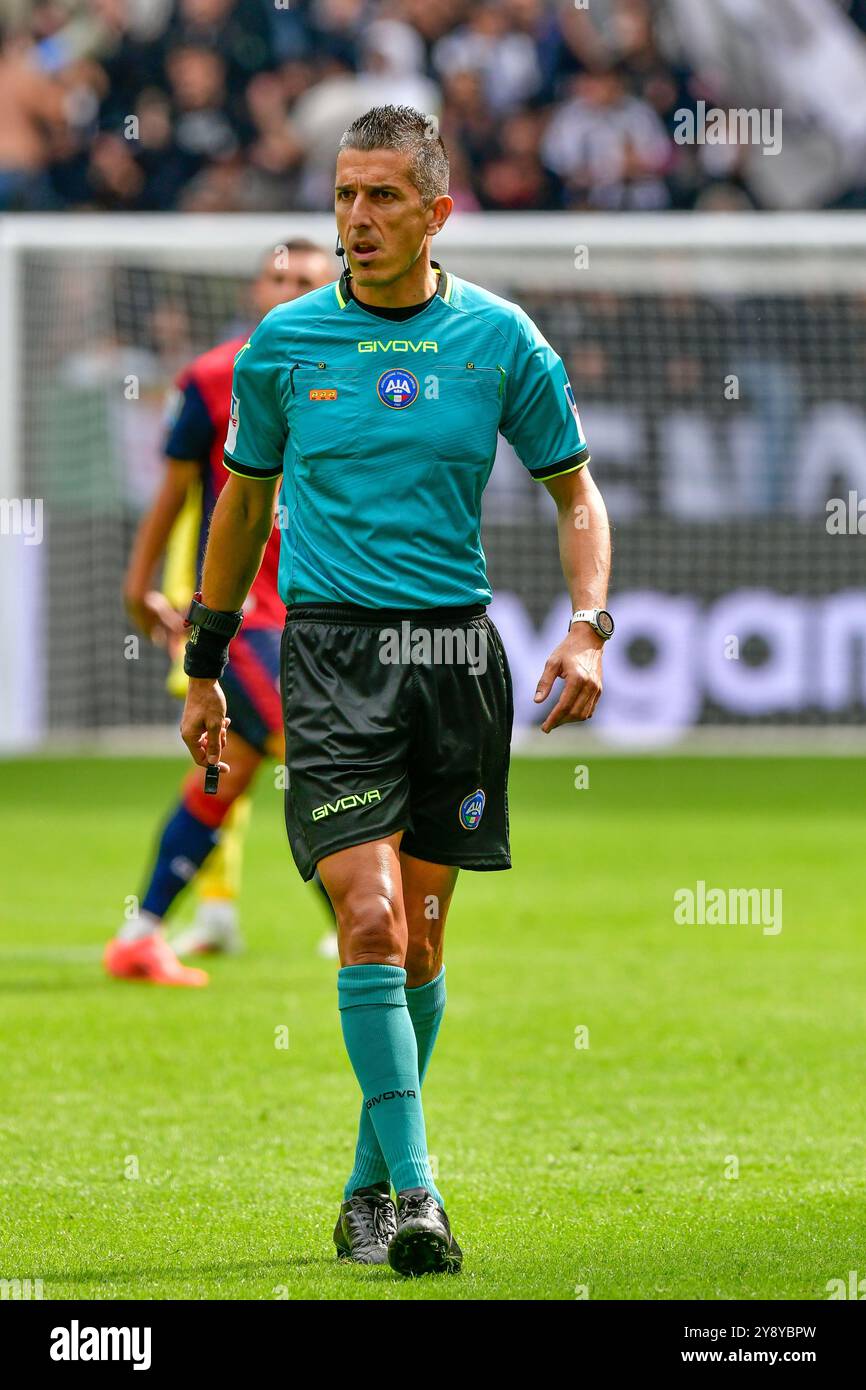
[396,720]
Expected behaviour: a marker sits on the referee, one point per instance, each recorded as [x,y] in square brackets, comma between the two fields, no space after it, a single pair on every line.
[374,405]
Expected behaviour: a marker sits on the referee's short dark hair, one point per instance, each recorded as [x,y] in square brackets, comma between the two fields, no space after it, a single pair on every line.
[404,128]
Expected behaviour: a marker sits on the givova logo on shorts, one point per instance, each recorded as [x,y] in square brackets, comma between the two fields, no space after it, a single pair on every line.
[397,388]
[346,803]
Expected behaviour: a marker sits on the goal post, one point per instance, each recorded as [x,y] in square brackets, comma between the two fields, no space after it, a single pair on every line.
[718,364]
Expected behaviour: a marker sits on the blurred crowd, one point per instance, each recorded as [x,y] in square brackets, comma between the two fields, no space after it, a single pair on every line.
[237,105]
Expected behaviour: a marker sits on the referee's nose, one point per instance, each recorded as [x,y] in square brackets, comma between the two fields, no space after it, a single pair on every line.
[359,217]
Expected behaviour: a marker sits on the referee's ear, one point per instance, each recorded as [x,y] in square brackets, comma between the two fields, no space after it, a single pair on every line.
[440,211]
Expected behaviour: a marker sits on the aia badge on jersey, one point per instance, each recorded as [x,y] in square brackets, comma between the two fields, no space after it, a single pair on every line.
[472,809]
[572,405]
[397,388]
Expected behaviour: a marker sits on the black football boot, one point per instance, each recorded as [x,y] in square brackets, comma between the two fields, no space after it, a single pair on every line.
[366,1223]
[422,1242]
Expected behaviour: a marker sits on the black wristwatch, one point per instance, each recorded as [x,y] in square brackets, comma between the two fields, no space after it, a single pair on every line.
[226,625]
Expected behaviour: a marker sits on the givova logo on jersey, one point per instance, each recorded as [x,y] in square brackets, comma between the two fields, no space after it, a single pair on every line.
[397,388]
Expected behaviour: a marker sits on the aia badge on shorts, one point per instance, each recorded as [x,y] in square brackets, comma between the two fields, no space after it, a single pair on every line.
[472,809]
[397,388]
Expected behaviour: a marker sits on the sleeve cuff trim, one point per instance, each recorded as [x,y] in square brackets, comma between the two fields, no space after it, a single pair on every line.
[556,470]
[243,470]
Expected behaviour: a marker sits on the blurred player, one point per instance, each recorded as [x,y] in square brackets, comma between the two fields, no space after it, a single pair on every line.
[203,837]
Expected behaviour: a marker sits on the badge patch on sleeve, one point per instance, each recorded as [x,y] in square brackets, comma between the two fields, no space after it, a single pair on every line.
[234,421]
[472,809]
[572,405]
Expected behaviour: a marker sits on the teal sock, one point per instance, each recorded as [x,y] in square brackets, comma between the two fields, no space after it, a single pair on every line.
[380,1041]
[426,1005]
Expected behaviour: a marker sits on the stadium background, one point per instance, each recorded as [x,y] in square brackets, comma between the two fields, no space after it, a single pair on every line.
[709,302]
[716,358]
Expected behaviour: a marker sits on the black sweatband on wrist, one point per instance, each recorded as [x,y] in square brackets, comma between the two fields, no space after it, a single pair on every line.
[206,654]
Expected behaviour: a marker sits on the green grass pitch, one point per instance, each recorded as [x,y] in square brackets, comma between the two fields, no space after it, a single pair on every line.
[708,1143]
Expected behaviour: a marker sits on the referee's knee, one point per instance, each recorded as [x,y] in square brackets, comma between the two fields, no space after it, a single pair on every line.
[372,929]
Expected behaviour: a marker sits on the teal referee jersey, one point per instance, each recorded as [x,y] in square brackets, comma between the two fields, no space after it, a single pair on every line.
[384,434]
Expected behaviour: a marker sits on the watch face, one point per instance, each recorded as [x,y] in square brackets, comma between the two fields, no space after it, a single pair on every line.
[605,622]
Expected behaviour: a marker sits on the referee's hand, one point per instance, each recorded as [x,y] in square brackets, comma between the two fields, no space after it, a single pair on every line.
[577,660]
[204,725]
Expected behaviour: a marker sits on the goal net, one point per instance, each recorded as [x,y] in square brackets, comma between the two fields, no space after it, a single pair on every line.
[718,364]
